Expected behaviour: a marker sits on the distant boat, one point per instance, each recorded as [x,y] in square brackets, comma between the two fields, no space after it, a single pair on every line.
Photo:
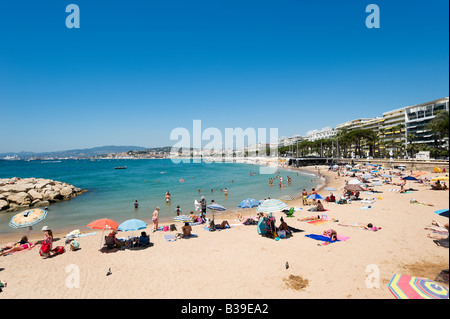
[120,167]
[11,158]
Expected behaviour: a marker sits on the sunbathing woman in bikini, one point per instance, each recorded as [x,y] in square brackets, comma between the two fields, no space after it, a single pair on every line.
[368,226]
[19,248]
[307,219]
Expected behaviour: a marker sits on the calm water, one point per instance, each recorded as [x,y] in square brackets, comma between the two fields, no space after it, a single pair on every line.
[111,193]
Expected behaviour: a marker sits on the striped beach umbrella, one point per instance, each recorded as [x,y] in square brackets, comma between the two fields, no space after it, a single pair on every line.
[27,218]
[286,198]
[183,219]
[271,206]
[407,287]
[314,196]
[216,207]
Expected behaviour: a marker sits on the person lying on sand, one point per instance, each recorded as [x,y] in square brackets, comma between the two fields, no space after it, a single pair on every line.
[368,226]
[223,225]
[307,219]
[331,233]
[18,248]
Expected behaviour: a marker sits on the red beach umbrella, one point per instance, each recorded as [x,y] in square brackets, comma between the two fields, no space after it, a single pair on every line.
[103,224]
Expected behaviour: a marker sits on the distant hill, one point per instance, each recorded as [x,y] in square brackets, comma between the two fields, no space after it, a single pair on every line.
[86,152]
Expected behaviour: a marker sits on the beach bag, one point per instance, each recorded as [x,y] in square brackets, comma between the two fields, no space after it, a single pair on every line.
[282,234]
[59,250]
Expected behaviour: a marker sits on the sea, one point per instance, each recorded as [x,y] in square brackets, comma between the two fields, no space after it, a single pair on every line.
[111,193]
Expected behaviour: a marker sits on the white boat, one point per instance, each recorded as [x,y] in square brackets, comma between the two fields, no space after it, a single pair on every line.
[11,158]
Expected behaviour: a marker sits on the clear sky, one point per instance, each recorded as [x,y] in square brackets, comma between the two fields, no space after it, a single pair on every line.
[136,69]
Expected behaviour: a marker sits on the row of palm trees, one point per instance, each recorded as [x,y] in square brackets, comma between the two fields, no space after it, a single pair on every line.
[363,142]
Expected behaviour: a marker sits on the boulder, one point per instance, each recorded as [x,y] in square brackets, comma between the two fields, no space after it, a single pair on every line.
[3,204]
[66,191]
[35,194]
[21,198]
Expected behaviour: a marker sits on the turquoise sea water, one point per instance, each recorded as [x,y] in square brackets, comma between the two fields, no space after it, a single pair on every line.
[111,192]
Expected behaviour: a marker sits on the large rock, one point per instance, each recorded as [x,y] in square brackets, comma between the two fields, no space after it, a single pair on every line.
[66,191]
[35,194]
[18,188]
[3,204]
[22,199]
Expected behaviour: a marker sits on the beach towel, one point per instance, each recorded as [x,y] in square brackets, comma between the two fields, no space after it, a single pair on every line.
[321,221]
[366,207]
[394,190]
[326,239]
[170,237]
[366,201]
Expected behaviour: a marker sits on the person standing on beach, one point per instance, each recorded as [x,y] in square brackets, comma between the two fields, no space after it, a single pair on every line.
[203,203]
[305,195]
[155,218]
[178,210]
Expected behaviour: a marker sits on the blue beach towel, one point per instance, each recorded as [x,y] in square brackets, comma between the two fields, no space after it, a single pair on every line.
[320,238]
[207,228]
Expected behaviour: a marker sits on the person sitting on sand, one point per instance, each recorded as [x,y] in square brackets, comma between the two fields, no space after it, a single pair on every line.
[223,225]
[319,206]
[187,229]
[283,225]
[193,217]
[73,244]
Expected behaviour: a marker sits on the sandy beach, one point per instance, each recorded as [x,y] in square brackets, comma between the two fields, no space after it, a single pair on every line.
[237,263]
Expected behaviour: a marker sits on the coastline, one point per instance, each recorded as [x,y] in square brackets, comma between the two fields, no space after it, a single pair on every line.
[244,264]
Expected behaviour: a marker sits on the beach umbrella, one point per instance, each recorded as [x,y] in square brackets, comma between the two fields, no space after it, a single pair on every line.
[286,198]
[183,219]
[354,182]
[103,224]
[442,212]
[354,187]
[407,287]
[216,207]
[314,196]
[271,206]
[439,178]
[132,225]
[409,178]
[249,203]
[28,218]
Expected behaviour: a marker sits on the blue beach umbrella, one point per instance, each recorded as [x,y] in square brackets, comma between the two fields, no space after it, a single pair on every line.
[409,178]
[442,212]
[132,225]
[249,203]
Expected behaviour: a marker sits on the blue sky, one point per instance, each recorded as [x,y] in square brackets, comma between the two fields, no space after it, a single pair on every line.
[135,70]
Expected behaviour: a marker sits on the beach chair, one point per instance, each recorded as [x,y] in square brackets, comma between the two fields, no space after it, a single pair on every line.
[143,242]
[290,213]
